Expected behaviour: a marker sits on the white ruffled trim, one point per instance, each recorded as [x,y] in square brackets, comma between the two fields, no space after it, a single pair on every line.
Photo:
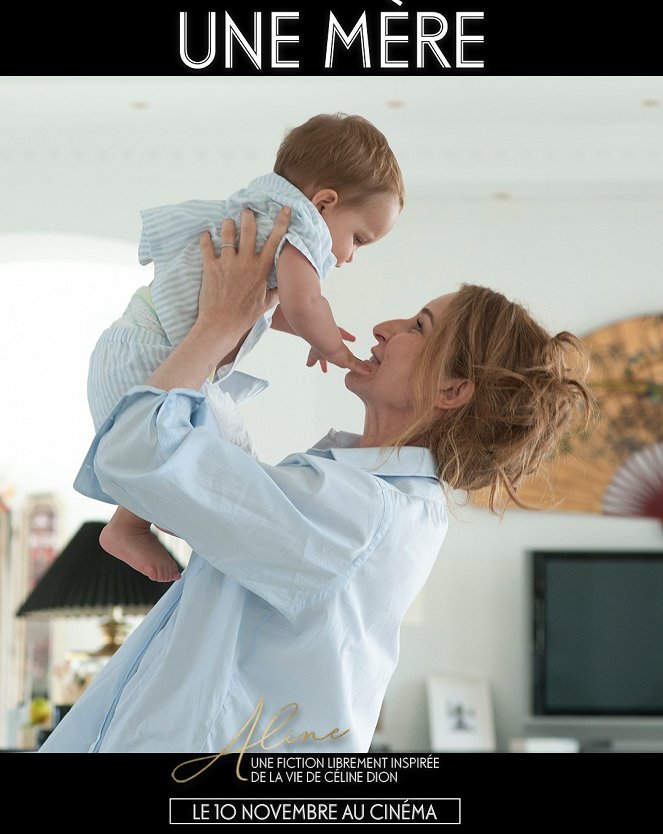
[230,421]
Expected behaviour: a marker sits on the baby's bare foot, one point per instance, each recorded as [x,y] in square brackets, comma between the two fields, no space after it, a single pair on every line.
[138,547]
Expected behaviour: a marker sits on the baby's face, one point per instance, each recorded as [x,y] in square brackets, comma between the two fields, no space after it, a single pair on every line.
[361,224]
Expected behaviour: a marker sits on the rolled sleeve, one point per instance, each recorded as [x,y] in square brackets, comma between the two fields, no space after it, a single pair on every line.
[284,532]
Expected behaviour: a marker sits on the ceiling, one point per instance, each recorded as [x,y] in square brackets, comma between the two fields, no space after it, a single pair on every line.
[502,131]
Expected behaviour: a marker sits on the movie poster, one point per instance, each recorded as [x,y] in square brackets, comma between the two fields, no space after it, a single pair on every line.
[526,168]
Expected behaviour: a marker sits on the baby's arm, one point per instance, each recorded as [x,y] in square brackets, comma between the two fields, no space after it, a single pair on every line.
[280,322]
[307,311]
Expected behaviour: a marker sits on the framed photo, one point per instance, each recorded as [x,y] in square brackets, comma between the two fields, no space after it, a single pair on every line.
[460,714]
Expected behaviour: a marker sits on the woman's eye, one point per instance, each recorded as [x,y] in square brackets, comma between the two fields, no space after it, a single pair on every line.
[419,325]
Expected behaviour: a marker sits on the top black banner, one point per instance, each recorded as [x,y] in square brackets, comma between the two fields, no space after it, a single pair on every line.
[299,37]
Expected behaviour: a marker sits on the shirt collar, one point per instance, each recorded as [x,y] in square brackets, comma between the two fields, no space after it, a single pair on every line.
[408,461]
[268,182]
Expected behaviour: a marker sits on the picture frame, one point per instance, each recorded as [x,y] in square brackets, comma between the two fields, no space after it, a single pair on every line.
[460,714]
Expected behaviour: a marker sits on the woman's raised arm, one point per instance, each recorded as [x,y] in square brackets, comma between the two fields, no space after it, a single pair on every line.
[284,532]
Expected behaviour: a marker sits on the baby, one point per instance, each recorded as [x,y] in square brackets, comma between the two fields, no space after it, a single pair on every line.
[345,190]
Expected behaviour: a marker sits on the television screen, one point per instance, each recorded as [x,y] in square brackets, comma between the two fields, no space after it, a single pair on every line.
[598,633]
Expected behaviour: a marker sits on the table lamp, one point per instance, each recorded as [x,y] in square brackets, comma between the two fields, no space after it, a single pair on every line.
[85,581]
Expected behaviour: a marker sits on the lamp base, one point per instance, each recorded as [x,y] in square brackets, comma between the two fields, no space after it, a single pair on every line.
[115,631]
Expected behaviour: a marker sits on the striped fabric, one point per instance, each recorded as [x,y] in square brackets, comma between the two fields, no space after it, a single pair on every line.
[170,239]
[159,317]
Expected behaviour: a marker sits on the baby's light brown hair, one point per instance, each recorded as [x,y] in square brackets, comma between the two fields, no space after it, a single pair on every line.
[529,391]
[346,153]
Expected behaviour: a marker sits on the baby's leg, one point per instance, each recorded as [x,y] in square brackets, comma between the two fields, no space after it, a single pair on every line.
[128,537]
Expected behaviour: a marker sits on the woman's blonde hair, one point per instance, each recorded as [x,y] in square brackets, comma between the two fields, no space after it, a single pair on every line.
[346,153]
[529,389]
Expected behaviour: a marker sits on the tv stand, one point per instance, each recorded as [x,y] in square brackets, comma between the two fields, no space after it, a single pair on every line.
[598,734]
[625,745]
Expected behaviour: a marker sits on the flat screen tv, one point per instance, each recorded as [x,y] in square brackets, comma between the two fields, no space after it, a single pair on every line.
[598,633]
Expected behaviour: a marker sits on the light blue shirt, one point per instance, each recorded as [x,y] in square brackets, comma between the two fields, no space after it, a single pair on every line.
[299,579]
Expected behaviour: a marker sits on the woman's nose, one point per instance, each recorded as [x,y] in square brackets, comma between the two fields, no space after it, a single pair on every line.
[385,330]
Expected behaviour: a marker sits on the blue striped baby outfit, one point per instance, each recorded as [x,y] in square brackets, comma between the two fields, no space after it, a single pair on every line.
[158,318]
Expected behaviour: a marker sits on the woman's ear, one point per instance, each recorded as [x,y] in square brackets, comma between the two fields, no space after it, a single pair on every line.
[325,198]
[453,393]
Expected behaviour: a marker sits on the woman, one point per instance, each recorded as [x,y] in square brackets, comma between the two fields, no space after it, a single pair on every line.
[283,632]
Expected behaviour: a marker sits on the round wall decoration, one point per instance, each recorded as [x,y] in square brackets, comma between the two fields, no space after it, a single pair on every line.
[616,468]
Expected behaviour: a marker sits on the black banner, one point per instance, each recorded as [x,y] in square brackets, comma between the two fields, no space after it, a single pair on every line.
[477,791]
[389,37]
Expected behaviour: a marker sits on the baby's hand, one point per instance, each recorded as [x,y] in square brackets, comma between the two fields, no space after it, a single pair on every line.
[313,357]
[350,361]
[343,357]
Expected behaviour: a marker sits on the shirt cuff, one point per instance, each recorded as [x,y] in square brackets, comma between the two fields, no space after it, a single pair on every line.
[86,481]
[241,386]
[238,385]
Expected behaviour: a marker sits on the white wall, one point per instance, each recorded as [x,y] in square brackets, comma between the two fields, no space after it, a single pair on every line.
[476,617]
[580,252]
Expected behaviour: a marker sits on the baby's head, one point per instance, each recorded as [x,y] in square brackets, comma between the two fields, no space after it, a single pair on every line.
[345,166]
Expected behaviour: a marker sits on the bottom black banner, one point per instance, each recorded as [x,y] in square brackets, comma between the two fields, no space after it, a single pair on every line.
[471,790]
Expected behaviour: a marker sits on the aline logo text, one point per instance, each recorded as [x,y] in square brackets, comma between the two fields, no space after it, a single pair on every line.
[398,40]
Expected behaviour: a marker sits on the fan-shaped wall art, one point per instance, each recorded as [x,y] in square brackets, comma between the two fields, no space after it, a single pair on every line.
[617,467]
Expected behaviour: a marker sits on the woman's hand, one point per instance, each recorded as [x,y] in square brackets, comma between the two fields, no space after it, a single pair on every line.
[234,291]
[233,295]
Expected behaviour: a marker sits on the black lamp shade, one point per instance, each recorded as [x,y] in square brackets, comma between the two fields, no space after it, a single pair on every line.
[84,580]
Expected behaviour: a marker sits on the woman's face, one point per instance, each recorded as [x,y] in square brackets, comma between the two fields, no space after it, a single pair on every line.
[394,357]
